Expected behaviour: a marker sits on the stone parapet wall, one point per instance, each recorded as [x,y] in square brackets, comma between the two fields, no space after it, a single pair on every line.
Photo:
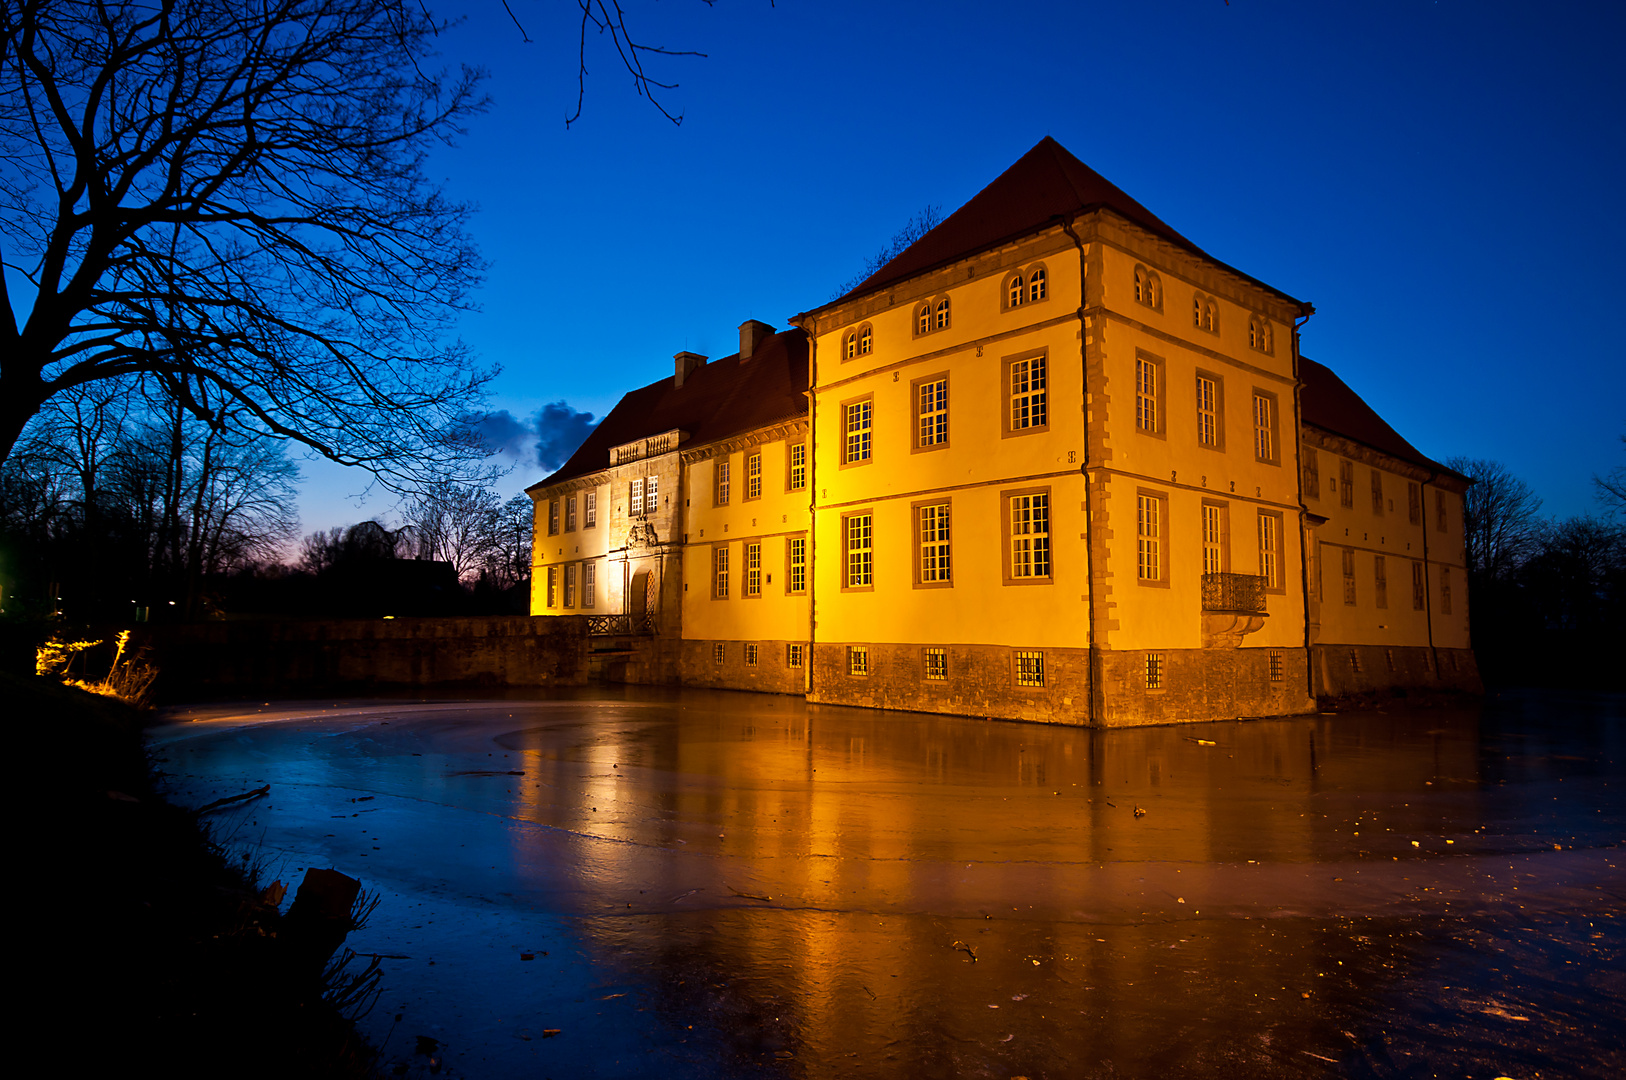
[1200,685]
[981,682]
[1365,669]
[282,656]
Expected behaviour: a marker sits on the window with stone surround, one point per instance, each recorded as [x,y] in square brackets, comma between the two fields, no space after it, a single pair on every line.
[1270,549]
[1148,392]
[635,497]
[1439,511]
[796,467]
[751,654]
[1215,552]
[590,510]
[1419,588]
[1029,394]
[1260,335]
[553,586]
[858,417]
[1205,313]
[589,585]
[570,585]
[1150,554]
[1210,425]
[1380,581]
[1312,473]
[719,572]
[753,475]
[722,483]
[570,513]
[1029,667]
[1028,521]
[753,569]
[1148,288]
[1154,671]
[1346,483]
[1275,665]
[793,655]
[718,652]
[936,664]
[652,497]
[1266,439]
[1445,590]
[932,544]
[931,412]
[553,517]
[1377,492]
[1348,559]
[858,660]
[796,564]
[858,533]
[1414,503]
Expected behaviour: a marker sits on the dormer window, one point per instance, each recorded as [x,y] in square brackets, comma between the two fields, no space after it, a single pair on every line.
[931,316]
[1027,285]
[1259,334]
[1148,289]
[1205,313]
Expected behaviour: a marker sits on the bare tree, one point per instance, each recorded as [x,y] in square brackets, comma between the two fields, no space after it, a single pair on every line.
[509,560]
[230,200]
[1612,488]
[456,523]
[1500,527]
[916,227]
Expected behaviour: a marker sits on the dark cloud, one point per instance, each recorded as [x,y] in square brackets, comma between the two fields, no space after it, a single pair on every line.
[502,433]
[559,431]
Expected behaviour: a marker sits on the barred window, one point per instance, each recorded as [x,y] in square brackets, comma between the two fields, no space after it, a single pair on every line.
[751,654]
[859,416]
[717,652]
[798,466]
[1029,407]
[1275,665]
[589,585]
[719,567]
[753,569]
[590,510]
[1149,538]
[860,555]
[1146,395]
[934,543]
[753,476]
[931,424]
[1154,671]
[796,571]
[1029,668]
[1030,536]
[1207,411]
[724,483]
[936,661]
[793,656]
[857,660]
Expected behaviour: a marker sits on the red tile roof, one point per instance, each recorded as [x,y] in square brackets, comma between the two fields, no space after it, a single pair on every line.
[1045,186]
[1328,403]
[716,400]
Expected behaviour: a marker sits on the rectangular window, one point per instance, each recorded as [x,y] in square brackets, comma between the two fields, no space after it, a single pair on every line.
[589,585]
[1029,397]
[932,532]
[1380,581]
[652,496]
[1312,473]
[936,661]
[590,510]
[857,660]
[753,569]
[570,585]
[1148,537]
[796,564]
[1270,549]
[1275,665]
[718,652]
[1377,493]
[1208,411]
[1389,658]
[553,518]
[721,484]
[570,514]
[1029,668]
[860,415]
[1154,671]
[793,656]
[753,476]
[719,572]
[1264,426]
[1439,511]
[1146,386]
[1419,598]
[797,480]
[751,654]
[1346,484]
[931,412]
[553,586]
[1445,590]
[635,497]
[1349,575]
[1214,560]
[1414,503]
[1030,536]
[860,553]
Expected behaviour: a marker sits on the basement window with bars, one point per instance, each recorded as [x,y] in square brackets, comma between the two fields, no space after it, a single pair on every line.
[1275,665]
[1154,671]
[936,664]
[1029,668]
[793,656]
[751,655]
[717,652]
[858,660]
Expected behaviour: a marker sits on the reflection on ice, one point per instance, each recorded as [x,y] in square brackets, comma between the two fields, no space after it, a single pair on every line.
[726,881]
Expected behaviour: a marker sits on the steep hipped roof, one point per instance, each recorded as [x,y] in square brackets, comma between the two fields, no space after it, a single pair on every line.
[1046,185]
[716,400]
[1328,403]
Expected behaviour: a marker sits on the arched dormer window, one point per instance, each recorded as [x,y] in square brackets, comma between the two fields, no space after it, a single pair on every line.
[866,340]
[932,315]
[1259,334]
[1148,289]
[942,315]
[1038,286]
[1205,313]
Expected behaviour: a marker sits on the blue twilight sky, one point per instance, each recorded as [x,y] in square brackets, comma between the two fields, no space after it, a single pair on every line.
[1441,179]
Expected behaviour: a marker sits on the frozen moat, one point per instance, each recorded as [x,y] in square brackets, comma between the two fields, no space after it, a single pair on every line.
[723,884]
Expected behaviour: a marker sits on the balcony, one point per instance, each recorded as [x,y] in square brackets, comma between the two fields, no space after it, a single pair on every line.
[1237,593]
[620,625]
[1233,608]
[654,446]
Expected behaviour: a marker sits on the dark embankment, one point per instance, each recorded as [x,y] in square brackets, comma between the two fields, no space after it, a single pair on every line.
[147,953]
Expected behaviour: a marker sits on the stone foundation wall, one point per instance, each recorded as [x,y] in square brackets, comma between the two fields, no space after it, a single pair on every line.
[283,656]
[1365,669]
[981,682]
[772,673]
[1202,684]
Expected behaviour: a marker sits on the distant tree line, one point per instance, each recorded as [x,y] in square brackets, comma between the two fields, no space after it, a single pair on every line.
[1546,596]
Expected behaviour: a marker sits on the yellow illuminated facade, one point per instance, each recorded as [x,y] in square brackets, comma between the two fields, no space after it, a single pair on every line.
[1050,464]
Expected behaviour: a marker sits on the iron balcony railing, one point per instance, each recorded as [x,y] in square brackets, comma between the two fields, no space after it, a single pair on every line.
[1234,592]
[620,625]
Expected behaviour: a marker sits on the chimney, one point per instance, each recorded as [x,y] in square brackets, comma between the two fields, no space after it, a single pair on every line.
[686,363]
[752,334]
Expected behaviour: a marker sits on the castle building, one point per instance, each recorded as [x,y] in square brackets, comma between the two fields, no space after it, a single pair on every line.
[1052,462]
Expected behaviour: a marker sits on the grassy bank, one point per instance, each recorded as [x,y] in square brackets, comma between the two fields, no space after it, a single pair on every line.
[157,955]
